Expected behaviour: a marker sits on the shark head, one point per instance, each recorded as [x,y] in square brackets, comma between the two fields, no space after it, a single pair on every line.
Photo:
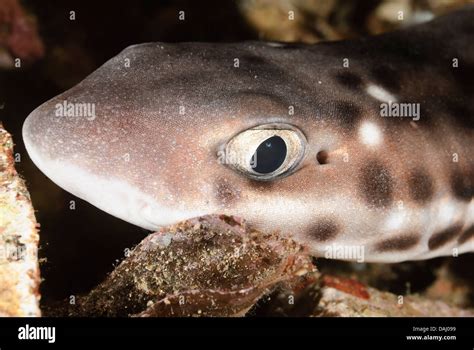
[289,137]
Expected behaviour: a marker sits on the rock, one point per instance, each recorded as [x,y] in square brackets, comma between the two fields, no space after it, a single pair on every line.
[208,266]
[19,270]
[348,298]
[326,295]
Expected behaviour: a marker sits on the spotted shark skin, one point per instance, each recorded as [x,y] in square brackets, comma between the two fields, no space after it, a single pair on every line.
[399,187]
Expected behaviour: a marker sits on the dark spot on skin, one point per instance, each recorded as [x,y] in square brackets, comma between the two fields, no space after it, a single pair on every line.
[386,76]
[420,186]
[467,235]
[226,193]
[376,184]
[441,238]
[402,242]
[323,230]
[349,80]
[347,114]
[462,184]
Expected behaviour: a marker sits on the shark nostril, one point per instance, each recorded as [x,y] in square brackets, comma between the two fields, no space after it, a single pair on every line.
[322,157]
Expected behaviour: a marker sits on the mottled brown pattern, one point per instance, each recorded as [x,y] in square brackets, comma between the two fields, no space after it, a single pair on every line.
[466,235]
[462,184]
[347,114]
[349,80]
[324,230]
[420,186]
[376,184]
[441,238]
[402,242]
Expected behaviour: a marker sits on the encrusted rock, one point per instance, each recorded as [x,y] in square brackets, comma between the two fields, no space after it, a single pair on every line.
[19,270]
[208,266]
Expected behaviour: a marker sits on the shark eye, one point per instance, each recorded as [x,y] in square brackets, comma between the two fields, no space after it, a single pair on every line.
[266,152]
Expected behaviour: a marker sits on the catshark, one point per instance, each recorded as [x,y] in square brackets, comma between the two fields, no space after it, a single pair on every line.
[359,143]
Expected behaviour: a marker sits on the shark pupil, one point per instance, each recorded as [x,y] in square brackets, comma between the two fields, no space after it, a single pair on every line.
[269,155]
